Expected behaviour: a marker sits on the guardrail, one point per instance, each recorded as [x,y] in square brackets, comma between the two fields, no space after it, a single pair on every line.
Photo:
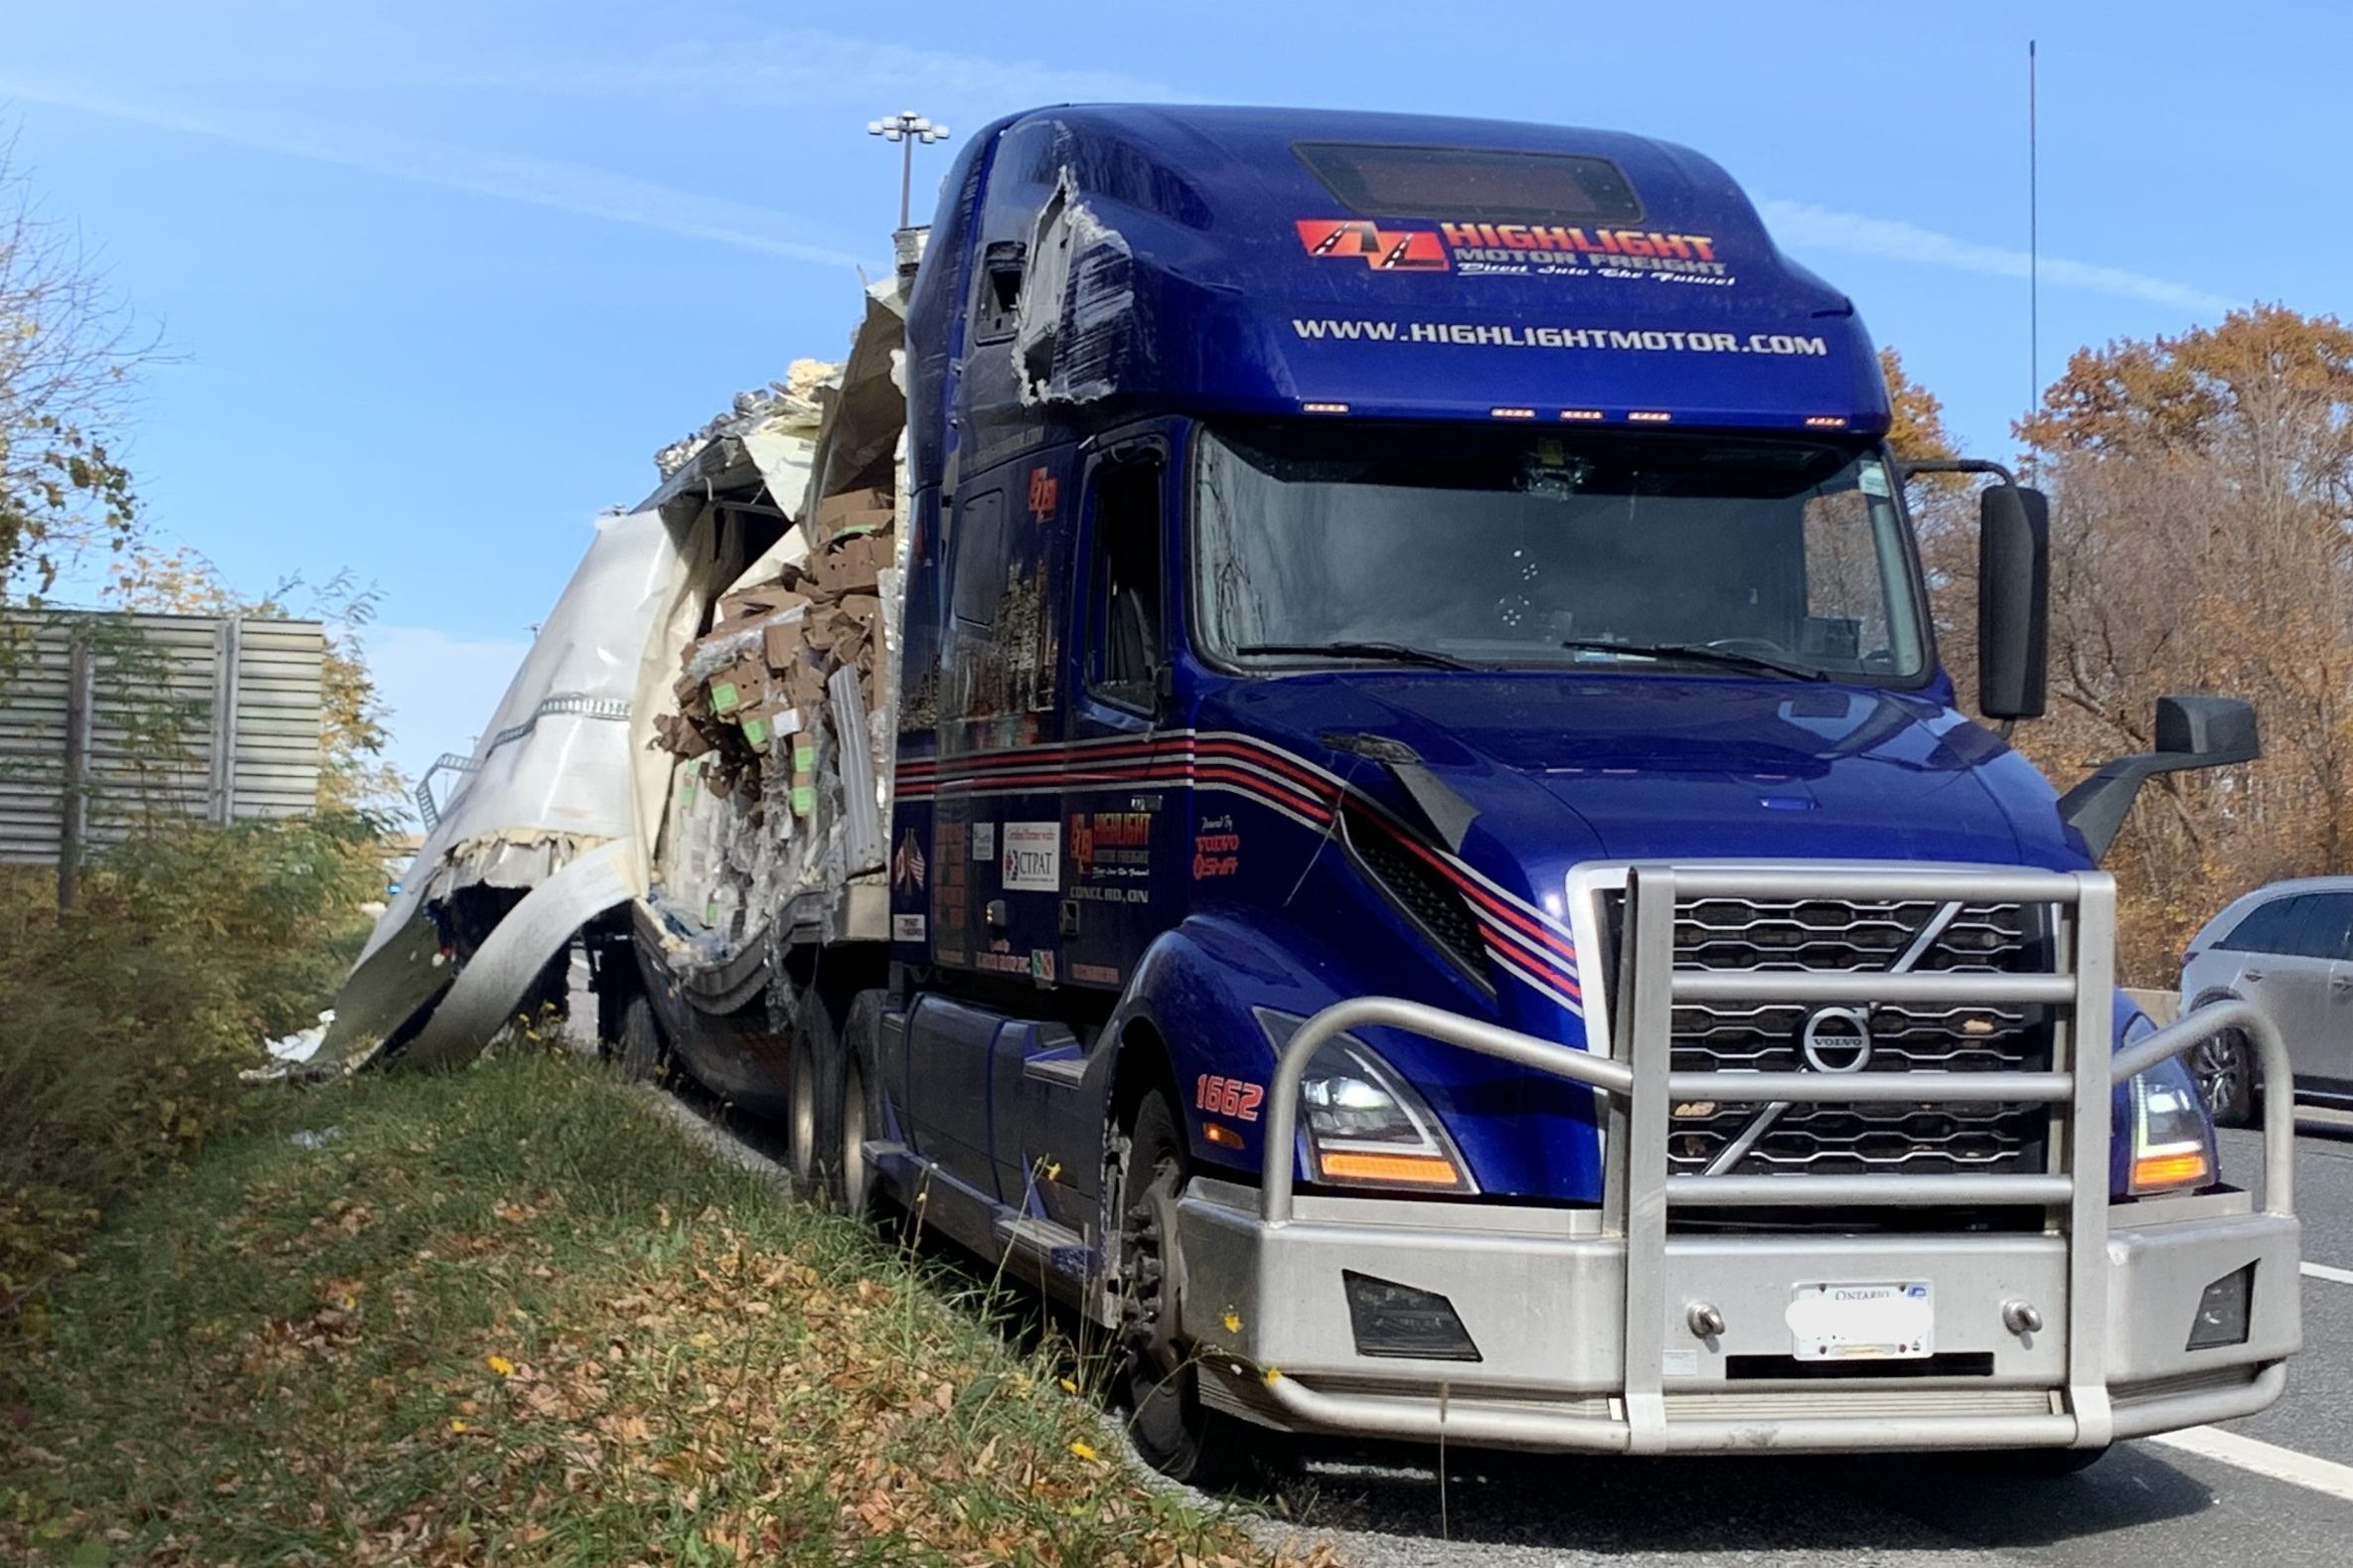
[1639,1089]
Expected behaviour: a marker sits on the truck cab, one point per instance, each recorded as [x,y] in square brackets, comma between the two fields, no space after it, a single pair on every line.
[1437,884]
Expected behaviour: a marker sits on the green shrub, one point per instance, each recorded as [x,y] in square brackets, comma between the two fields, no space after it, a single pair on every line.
[124,1022]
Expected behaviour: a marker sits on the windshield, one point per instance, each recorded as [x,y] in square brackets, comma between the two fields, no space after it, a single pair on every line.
[1523,548]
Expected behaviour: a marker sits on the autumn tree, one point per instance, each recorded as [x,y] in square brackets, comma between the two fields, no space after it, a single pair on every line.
[1943,515]
[2202,486]
[1915,423]
[68,351]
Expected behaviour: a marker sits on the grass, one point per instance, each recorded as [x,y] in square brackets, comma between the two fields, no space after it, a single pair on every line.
[514,1314]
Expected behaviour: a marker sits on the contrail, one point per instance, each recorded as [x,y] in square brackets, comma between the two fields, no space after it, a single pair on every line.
[1803,223]
[538,182]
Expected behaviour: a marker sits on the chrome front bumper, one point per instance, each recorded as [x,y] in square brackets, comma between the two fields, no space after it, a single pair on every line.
[1583,1323]
[1544,1306]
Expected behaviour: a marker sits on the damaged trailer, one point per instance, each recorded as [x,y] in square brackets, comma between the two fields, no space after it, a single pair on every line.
[664,788]
[1385,820]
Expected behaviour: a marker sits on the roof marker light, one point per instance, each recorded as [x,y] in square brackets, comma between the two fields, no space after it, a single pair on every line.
[1323,407]
[1511,413]
[1825,421]
[1581,414]
[1649,416]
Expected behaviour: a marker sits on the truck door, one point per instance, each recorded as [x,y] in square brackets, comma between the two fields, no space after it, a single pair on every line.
[947,1044]
[997,838]
[1120,821]
[1123,815]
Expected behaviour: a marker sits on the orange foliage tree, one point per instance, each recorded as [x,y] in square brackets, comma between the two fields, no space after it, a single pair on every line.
[2202,487]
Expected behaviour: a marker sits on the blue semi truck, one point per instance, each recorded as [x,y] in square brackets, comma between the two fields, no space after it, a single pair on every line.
[1417,863]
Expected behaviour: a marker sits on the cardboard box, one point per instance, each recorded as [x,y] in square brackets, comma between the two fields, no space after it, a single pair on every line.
[693,698]
[782,645]
[769,720]
[850,644]
[861,608]
[745,604]
[851,508]
[804,687]
[861,525]
[750,604]
[845,571]
[743,684]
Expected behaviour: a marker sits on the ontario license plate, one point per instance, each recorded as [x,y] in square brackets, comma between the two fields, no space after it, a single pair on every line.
[1832,1321]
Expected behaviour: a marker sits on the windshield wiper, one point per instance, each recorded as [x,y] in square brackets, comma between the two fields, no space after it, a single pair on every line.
[1698,652]
[1395,653]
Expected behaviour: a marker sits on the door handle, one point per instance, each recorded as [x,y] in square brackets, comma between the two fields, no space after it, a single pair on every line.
[2254,974]
[2340,982]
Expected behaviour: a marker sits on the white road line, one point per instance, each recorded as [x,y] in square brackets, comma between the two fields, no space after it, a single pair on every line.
[2321,1271]
[2263,1459]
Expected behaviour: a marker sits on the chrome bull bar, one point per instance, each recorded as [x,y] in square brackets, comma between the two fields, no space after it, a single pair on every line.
[1641,1088]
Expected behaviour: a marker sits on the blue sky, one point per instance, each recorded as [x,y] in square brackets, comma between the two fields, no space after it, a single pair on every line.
[438,279]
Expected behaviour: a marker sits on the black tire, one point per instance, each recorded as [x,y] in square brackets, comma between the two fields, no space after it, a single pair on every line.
[855,1111]
[641,1053]
[811,1067]
[2224,1069]
[1158,1383]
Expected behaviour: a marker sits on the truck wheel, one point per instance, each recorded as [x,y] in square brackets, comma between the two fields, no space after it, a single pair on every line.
[2224,1069]
[1158,1383]
[639,1052]
[811,1068]
[856,1112]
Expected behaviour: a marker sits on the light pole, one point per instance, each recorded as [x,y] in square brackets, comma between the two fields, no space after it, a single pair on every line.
[907,128]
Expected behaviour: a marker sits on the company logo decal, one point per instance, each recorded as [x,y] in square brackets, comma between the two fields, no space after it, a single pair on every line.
[1519,249]
[1837,1039]
[1095,832]
[1033,858]
[1046,493]
[1382,250]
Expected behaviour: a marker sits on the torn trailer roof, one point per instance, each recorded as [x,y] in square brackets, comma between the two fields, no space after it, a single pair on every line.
[582,809]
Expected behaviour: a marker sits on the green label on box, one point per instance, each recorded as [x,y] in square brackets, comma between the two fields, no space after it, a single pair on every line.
[756,729]
[804,800]
[725,699]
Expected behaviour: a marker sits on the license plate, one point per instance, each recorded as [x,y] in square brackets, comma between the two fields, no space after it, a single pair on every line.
[1832,1320]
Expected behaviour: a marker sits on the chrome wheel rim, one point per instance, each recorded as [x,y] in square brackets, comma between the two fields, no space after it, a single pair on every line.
[2221,1071]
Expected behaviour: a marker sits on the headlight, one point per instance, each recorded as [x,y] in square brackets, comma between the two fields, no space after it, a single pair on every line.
[2172,1140]
[1363,1125]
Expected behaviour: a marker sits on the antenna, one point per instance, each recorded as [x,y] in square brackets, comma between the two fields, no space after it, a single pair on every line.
[2034,373]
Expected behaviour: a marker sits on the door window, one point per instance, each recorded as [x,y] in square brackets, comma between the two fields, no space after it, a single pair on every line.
[2264,928]
[1123,584]
[2323,926]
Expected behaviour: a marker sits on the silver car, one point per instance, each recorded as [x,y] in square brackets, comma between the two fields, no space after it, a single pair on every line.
[2288,949]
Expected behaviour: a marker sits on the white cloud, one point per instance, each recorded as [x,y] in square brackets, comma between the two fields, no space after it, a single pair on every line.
[439,690]
[538,182]
[1802,225]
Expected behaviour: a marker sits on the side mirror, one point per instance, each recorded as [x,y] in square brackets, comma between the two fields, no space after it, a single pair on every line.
[2191,732]
[2013,600]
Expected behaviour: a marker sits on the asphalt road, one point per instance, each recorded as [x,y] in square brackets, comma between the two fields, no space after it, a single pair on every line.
[2150,1502]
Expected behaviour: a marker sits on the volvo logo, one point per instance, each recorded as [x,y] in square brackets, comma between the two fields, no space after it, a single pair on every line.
[1837,1039]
